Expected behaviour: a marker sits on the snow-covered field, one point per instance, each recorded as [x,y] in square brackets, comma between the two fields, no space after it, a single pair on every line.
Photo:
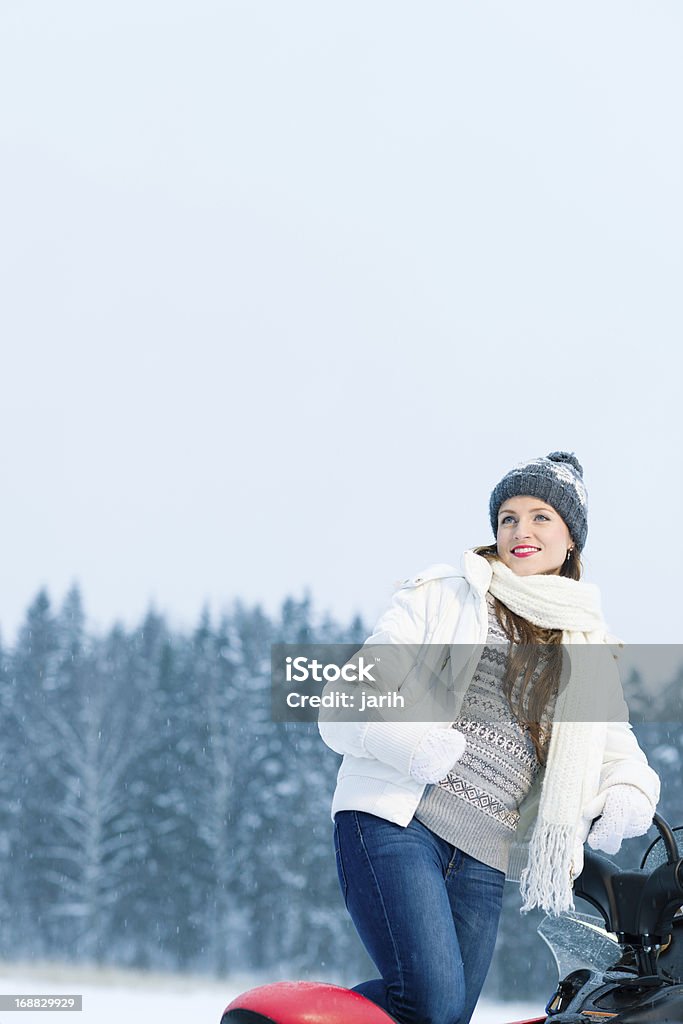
[130,997]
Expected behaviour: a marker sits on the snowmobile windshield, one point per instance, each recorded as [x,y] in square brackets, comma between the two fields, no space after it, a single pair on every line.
[579,941]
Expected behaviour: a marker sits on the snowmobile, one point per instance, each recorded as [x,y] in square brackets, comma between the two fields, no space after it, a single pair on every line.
[623,967]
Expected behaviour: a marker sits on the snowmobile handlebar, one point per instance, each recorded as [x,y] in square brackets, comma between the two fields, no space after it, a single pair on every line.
[668,838]
[635,905]
[661,896]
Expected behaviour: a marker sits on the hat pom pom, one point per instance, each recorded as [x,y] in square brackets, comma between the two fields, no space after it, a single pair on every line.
[569,458]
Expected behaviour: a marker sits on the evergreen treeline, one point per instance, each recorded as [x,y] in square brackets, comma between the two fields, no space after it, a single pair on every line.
[153,815]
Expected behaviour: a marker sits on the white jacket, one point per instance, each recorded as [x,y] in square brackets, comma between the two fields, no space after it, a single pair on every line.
[447,606]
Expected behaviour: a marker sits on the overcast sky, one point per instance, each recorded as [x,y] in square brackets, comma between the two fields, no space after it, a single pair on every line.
[288,286]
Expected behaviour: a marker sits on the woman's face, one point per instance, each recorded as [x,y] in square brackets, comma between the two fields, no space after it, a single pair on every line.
[532,538]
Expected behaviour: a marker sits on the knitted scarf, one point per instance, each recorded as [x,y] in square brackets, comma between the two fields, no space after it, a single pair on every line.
[577,740]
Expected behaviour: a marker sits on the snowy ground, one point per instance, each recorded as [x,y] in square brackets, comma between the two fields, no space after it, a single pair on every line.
[128,997]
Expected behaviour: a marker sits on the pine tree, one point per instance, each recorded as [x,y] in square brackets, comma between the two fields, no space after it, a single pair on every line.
[34,670]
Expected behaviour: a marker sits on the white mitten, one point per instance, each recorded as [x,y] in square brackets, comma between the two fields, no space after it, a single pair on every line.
[436,753]
[627,813]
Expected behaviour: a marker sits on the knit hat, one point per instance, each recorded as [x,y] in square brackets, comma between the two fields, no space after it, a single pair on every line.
[556,479]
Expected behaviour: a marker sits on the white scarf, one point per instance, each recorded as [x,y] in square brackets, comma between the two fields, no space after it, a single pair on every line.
[577,740]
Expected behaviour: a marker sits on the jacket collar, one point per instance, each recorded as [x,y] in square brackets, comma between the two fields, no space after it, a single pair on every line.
[476,571]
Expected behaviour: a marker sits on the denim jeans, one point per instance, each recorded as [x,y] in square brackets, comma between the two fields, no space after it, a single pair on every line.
[426,912]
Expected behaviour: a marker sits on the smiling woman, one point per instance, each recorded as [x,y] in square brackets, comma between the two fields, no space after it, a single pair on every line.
[431,817]
[539,514]
[532,538]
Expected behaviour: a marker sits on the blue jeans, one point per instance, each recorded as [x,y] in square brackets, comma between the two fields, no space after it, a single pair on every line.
[426,912]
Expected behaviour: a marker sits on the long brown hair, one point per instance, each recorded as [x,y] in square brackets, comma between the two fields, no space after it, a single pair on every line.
[535,661]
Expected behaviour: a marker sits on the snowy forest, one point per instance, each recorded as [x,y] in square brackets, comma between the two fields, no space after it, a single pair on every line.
[153,815]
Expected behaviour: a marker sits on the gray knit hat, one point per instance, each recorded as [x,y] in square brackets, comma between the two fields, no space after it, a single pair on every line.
[556,479]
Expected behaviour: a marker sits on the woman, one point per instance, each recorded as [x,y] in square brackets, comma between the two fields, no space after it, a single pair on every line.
[429,819]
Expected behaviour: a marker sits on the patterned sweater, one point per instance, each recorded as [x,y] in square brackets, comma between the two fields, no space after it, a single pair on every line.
[476,807]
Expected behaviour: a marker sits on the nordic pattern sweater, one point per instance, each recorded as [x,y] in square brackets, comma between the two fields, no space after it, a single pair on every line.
[476,806]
